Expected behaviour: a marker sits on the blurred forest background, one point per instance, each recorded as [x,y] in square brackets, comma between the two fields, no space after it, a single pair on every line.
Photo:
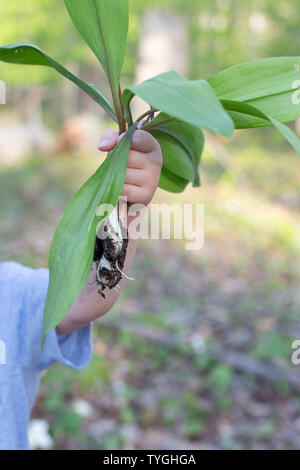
[197,353]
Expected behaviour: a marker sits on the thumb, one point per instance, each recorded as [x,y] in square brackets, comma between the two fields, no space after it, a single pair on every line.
[109,140]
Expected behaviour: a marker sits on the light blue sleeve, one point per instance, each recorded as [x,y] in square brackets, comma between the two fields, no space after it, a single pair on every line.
[72,350]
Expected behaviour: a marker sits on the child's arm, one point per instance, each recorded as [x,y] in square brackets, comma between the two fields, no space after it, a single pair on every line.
[142,177]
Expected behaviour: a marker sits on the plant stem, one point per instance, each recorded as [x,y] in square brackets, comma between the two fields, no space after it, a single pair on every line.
[149,125]
[124,125]
[146,113]
[116,95]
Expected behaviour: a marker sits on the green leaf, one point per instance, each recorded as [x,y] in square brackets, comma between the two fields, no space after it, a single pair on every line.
[71,253]
[191,138]
[290,136]
[28,54]
[175,157]
[103,25]
[193,102]
[240,112]
[171,182]
[270,85]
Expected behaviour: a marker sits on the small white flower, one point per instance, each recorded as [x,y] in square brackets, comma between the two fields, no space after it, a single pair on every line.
[38,435]
[198,343]
[82,408]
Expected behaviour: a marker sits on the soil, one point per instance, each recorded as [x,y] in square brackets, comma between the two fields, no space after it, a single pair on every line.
[110,277]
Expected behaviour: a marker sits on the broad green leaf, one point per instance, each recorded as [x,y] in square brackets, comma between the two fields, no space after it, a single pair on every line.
[193,102]
[241,111]
[103,24]
[175,156]
[271,85]
[28,54]
[190,137]
[71,252]
[171,182]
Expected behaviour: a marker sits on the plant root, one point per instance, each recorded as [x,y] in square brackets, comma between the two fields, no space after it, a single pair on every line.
[124,274]
[110,253]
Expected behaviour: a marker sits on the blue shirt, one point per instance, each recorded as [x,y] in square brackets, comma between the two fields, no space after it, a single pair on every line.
[22,297]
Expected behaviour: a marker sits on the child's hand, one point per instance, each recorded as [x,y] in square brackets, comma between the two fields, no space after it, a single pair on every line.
[144,165]
[142,177]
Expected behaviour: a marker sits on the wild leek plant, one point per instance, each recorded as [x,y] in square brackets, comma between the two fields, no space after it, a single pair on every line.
[253,94]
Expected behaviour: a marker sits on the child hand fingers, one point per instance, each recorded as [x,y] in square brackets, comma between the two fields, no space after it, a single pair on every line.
[144,142]
[136,177]
[136,194]
[144,160]
[137,160]
[109,140]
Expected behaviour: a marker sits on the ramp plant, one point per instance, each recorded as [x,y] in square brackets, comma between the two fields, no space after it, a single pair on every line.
[253,94]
